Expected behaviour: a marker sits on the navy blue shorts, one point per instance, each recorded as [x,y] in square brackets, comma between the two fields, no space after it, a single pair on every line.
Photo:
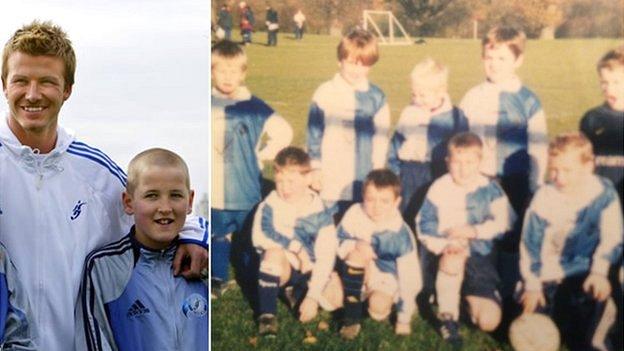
[415,181]
[481,278]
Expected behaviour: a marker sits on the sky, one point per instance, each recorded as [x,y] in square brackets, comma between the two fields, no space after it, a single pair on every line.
[142,77]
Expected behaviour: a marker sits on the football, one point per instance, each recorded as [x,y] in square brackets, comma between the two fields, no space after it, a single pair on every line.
[534,332]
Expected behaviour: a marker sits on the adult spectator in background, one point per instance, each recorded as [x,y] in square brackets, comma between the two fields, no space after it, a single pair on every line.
[299,19]
[272,26]
[247,22]
[224,21]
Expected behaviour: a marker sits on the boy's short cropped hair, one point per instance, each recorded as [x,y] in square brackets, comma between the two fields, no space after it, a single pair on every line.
[360,45]
[41,39]
[429,71]
[572,141]
[464,140]
[383,178]
[292,156]
[513,38]
[154,157]
[227,50]
[612,59]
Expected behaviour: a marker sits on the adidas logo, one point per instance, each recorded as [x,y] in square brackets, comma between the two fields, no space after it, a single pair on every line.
[137,309]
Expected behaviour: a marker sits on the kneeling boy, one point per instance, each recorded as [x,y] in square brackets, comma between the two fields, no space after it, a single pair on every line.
[296,238]
[379,259]
[572,233]
[463,213]
[130,299]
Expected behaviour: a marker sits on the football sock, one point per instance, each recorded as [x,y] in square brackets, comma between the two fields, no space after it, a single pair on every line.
[268,288]
[352,279]
[448,289]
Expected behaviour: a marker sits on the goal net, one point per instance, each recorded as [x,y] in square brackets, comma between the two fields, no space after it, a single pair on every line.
[386,27]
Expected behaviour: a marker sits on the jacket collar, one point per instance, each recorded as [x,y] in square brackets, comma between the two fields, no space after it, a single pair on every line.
[152,255]
[28,156]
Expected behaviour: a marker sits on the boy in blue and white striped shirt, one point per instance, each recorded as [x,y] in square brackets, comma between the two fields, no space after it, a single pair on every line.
[296,238]
[572,234]
[418,146]
[240,121]
[348,125]
[462,215]
[378,257]
[509,119]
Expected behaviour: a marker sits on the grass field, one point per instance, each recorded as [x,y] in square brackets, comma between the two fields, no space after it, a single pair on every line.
[561,72]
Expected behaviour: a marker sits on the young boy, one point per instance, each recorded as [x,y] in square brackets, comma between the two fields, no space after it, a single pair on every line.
[603,126]
[572,233]
[509,119]
[296,238]
[379,259]
[240,122]
[418,146]
[462,215]
[348,125]
[130,299]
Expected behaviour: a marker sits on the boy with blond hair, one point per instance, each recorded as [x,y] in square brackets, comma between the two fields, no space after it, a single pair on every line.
[463,214]
[348,125]
[418,146]
[296,238]
[240,122]
[130,299]
[378,257]
[572,233]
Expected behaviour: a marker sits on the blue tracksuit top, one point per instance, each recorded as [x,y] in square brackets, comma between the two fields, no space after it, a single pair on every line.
[239,126]
[421,135]
[130,300]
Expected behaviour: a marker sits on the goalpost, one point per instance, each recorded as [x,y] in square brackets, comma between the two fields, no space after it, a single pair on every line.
[386,26]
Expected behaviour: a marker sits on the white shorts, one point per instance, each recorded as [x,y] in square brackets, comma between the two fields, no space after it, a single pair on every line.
[376,280]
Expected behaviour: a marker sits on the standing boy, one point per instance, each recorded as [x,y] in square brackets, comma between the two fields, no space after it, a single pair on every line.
[348,125]
[296,238]
[604,125]
[418,146]
[239,123]
[378,257]
[509,119]
[572,234]
[130,299]
[462,215]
